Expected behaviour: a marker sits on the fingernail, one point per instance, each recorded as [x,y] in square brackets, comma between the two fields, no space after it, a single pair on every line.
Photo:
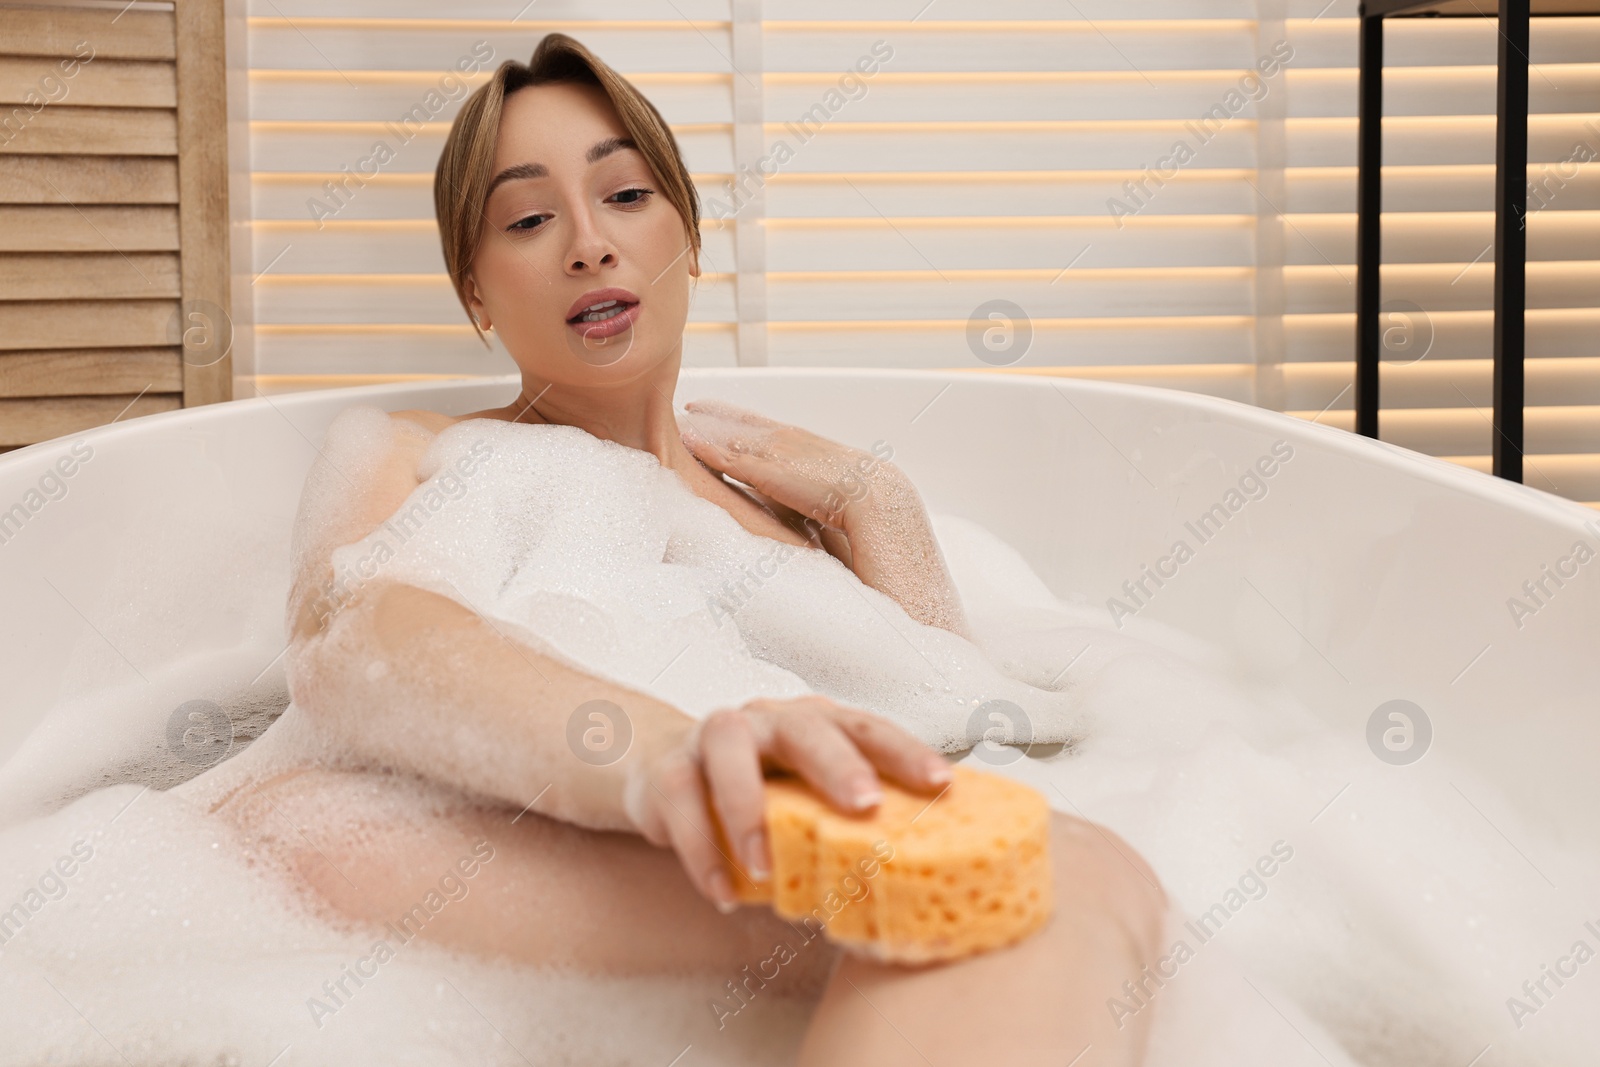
[755,852]
[722,893]
[939,772]
[866,795]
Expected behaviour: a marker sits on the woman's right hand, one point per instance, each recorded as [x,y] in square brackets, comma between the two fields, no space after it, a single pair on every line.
[719,765]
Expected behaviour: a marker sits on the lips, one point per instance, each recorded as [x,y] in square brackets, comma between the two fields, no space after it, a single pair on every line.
[603,313]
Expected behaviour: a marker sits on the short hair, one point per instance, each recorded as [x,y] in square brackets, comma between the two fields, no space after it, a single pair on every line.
[461,180]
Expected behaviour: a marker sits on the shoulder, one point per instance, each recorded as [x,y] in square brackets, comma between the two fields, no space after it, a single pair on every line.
[432,421]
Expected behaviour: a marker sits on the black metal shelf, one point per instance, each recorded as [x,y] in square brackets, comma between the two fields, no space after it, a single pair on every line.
[1510,196]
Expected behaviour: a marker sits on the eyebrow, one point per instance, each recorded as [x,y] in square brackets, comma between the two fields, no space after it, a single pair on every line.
[598,151]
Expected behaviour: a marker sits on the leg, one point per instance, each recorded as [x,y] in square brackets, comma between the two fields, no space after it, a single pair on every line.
[369,849]
[1042,1001]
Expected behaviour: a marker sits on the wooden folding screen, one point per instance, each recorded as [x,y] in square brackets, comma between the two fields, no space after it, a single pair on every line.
[113,214]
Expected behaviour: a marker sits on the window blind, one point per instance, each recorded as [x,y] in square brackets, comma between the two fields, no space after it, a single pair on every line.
[1161,194]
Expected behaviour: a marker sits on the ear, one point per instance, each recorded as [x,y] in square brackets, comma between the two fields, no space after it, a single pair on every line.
[475,304]
[694,262]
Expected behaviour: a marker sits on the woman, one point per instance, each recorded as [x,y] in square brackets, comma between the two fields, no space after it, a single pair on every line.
[570,228]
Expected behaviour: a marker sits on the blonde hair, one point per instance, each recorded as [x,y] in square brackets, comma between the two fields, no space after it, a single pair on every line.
[461,180]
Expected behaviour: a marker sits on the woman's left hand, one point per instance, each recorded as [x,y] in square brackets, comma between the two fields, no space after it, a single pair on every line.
[848,491]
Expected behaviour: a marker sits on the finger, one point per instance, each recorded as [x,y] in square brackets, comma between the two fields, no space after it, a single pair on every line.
[815,748]
[688,822]
[738,794]
[724,409]
[894,751]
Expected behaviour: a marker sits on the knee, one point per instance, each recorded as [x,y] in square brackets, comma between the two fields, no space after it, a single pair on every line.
[1104,879]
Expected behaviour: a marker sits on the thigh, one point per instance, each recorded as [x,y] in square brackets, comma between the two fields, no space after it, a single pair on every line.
[1041,1001]
[375,849]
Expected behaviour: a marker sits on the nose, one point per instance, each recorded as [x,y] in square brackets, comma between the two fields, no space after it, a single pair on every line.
[590,249]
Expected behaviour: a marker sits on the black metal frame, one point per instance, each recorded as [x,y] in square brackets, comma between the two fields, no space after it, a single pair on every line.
[1511,205]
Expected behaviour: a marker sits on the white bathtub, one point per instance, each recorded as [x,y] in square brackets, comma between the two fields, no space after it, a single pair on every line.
[1366,573]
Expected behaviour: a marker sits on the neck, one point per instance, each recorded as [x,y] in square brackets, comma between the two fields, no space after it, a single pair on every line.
[636,413]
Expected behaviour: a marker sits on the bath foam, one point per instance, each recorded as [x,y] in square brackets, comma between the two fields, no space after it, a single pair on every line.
[917,879]
[593,554]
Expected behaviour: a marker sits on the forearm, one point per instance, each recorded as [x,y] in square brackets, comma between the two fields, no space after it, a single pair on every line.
[893,549]
[416,681]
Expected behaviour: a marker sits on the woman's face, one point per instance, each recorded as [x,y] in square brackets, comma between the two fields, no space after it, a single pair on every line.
[576,218]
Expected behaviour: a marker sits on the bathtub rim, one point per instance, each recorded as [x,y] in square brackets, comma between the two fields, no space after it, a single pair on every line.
[1527,499]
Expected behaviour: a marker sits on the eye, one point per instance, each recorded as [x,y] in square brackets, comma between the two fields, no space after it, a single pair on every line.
[635,196]
[530,223]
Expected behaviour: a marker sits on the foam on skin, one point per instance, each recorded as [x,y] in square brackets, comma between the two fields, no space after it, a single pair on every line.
[595,555]
[1393,935]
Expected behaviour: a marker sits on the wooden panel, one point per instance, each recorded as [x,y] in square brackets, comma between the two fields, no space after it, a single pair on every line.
[203,191]
[93,131]
[56,31]
[87,180]
[87,324]
[102,275]
[24,421]
[99,83]
[91,371]
[88,229]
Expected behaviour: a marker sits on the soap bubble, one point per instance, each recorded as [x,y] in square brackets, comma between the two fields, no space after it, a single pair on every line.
[999,332]
[199,732]
[599,732]
[1399,732]
[1005,729]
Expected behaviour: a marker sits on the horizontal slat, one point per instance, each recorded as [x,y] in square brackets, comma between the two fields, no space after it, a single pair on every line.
[399,247]
[88,324]
[832,10]
[1555,87]
[1552,333]
[98,83]
[886,96]
[56,30]
[1460,187]
[413,349]
[88,229]
[1008,243]
[1119,344]
[1443,383]
[1332,42]
[1440,237]
[329,146]
[347,45]
[1467,431]
[368,299]
[1061,44]
[1441,287]
[1448,139]
[26,421]
[91,371]
[964,194]
[95,131]
[380,96]
[875,295]
[87,180]
[858,146]
[103,275]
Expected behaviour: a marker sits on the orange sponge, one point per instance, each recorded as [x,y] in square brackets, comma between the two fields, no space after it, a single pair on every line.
[917,878]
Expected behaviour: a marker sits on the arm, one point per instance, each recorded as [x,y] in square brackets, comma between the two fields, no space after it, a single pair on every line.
[409,679]
[871,516]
